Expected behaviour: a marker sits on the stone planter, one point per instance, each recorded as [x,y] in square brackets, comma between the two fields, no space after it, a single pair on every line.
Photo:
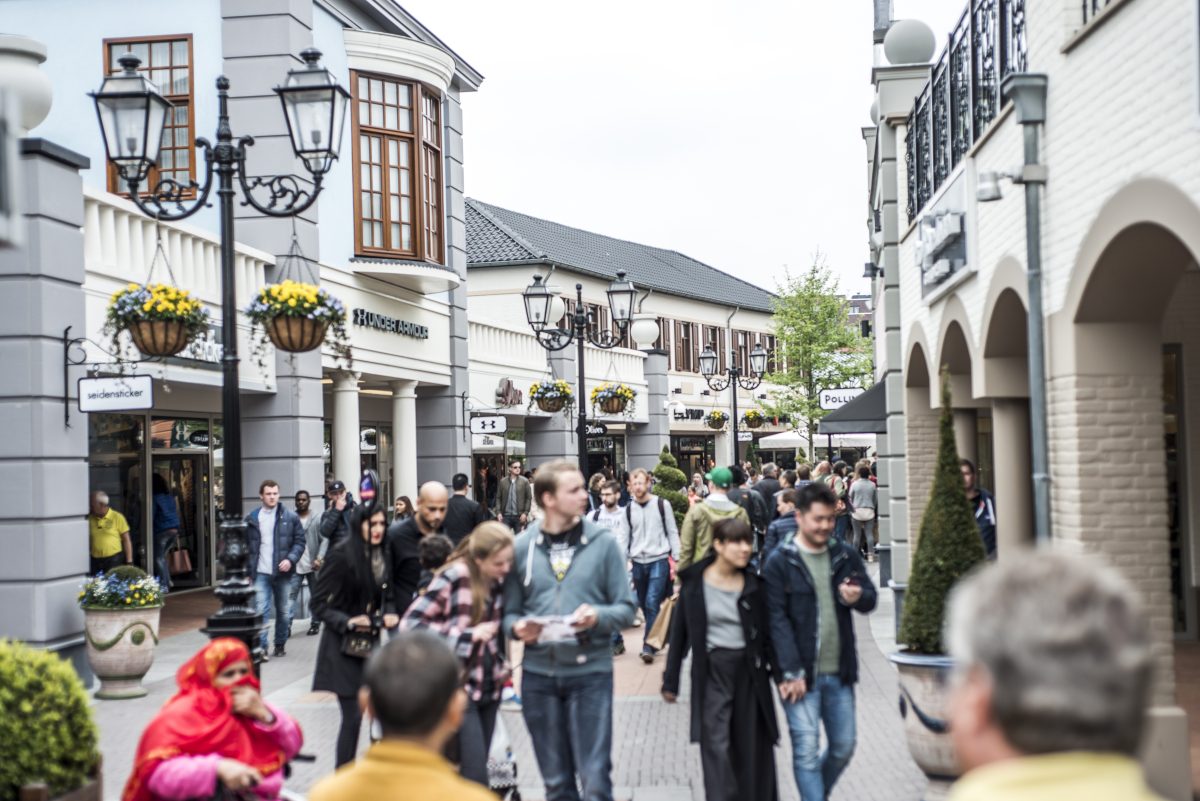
[159,338]
[551,405]
[924,697]
[296,334]
[613,405]
[120,648]
[22,79]
[92,791]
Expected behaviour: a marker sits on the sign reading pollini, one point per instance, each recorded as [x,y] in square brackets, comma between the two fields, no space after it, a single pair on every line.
[389,325]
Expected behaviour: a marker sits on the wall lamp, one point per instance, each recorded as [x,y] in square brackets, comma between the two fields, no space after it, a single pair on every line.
[871,270]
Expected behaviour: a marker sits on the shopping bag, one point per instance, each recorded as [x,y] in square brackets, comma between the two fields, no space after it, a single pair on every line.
[657,639]
[179,561]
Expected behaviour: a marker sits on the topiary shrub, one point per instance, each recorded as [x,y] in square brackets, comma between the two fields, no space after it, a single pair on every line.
[128,572]
[46,730]
[948,548]
[669,482]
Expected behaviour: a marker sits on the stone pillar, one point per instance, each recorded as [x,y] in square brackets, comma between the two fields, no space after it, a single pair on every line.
[347,458]
[404,438]
[43,457]
[281,432]
[553,437]
[1014,487]
[646,442]
[966,435]
[921,446]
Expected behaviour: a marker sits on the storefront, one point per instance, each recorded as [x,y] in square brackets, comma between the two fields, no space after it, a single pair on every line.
[606,449]
[490,454]
[695,453]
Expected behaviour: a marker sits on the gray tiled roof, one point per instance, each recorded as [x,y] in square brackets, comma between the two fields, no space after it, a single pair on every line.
[496,236]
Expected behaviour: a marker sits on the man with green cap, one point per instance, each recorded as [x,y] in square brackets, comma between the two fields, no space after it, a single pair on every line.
[695,538]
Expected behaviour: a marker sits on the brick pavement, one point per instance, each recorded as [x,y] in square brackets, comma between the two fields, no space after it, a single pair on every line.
[653,760]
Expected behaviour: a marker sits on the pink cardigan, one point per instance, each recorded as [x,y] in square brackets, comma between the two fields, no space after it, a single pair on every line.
[188,777]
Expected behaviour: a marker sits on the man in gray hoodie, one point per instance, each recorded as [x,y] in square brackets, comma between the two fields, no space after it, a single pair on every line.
[568,569]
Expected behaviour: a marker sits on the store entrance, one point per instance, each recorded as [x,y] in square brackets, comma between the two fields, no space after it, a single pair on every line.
[188,481]
[695,454]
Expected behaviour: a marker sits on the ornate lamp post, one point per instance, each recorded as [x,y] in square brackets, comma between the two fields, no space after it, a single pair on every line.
[732,376]
[132,116]
[543,308]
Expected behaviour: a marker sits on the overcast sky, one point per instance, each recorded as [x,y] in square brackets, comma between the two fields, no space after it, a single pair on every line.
[727,131]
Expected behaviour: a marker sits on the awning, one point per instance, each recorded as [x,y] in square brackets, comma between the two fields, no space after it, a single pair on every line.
[866,414]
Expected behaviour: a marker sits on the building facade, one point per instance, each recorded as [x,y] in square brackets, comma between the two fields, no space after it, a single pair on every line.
[1119,222]
[387,237]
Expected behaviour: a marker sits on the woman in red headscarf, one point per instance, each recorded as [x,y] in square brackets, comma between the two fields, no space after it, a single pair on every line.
[216,728]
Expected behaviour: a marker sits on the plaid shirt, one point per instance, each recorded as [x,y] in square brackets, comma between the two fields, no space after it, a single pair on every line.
[445,609]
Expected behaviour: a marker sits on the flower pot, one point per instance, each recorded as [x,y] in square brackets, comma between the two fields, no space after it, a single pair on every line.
[120,648]
[296,334]
[551,405]
[716,425]
[92,790]
[924,701]
[613,405]
[159,338]
[753,422]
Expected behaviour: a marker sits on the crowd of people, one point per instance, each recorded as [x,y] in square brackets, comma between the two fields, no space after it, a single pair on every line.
[765,577]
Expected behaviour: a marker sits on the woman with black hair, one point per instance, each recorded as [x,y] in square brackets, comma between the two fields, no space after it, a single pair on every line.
[165,523]
[353,599]
[721,616]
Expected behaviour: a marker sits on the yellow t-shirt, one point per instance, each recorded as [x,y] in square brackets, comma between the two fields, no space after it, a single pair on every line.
[105,533]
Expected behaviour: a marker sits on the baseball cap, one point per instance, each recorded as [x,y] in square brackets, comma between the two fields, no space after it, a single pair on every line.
[337,486]
[720,476]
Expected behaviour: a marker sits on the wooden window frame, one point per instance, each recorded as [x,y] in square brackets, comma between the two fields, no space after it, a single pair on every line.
[152,178]
[420,149]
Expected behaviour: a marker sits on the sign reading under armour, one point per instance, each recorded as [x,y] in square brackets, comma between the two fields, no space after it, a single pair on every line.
[389,325]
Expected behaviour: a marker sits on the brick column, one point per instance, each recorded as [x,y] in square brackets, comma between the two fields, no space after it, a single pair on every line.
[921,445]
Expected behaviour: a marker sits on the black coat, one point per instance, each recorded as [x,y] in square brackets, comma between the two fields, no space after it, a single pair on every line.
[462,516]
[335,525]
[337,598]
[403,545]
[689,628]
[767,487]
[792,605]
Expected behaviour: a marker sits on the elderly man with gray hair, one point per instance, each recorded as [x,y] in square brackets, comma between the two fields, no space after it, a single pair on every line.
[1052,680]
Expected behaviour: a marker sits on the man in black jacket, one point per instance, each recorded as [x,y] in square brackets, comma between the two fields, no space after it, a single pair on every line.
[335,521]
[768,486]
[812,584]
[462,513]
[404,538]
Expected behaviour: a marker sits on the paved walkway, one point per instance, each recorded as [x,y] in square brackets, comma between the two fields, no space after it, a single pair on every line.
[653,760]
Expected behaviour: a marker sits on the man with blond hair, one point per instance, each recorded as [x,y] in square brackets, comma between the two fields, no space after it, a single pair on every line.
[653,540]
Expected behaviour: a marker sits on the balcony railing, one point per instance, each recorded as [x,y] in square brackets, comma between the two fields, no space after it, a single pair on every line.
[963,94]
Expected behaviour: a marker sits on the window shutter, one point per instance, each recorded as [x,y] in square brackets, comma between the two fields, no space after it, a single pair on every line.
[695,366]
[722,349]
[679,345]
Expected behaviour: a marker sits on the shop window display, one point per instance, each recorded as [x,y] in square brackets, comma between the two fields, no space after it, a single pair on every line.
[116,444]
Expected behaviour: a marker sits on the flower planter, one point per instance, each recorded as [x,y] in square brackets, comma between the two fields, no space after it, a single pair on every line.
[613,405]
[296,334]
[159,338]
[551,405]
[120,648]
[92,791]
[716,425]
[924,700]
[753,422]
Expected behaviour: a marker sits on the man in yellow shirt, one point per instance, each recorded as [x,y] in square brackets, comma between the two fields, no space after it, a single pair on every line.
[411,687]
[1053,670]
[108,534]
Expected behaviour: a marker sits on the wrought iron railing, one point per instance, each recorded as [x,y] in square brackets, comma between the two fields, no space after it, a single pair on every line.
[1093,7]
[963,94]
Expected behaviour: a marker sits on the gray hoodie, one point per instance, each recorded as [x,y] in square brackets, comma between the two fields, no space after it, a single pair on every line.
[596,576]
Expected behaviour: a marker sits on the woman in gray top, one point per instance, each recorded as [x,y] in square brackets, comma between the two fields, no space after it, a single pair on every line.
[721,615]
[863,501]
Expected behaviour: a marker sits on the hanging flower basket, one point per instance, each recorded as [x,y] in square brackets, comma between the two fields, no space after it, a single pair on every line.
[614,398]
[552,396]
[298,318]
[716,419]
[161,319]
[753,419]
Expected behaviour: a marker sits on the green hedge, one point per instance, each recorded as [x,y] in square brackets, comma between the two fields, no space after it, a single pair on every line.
[669,482]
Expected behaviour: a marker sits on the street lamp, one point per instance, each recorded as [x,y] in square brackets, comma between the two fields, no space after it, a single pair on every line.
[733,376]
[543,308]
[132,115]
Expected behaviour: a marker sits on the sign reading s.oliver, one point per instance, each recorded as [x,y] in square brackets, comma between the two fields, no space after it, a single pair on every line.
[389,325]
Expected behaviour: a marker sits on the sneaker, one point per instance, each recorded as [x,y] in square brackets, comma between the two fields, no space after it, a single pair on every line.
[265,658]
[314,629]
[279,651]
[647,657]
[618,648]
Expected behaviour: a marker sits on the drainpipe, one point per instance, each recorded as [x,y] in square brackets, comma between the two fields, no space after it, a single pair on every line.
[1028,93]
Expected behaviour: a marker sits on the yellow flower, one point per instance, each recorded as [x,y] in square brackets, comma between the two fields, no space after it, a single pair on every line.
[147,305]
[292,302]
[127,600]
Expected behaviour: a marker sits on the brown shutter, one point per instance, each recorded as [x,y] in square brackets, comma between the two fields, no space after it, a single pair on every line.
[695,366]
[723,350]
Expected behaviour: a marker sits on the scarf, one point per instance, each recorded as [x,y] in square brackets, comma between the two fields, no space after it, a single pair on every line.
[199,720]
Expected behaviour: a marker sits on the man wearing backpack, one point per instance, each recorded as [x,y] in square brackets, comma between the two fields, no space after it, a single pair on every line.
[755,505]
[651,536]
[611,516]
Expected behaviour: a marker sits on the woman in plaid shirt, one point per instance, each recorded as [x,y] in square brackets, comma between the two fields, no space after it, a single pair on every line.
[465,604]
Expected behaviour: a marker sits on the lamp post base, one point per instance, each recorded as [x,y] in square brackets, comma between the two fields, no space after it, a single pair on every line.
[238,616]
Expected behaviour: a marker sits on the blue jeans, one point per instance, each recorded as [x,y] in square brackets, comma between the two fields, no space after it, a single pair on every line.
[650,583]
[293,593]
[163,541]
[831,702]
[570,722]
[272,601]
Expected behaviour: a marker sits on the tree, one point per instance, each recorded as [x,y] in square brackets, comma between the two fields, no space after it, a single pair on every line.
[669,480]
[752,454]
[818,347]
[948,548]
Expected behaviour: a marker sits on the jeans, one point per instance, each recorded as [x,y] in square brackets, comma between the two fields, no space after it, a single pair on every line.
[841,527]
[862,535]
[475,740]
[650,582]
[570,722]
[163,541]
[513,522]
[831,702]
[105,563]
[272,597]
[294,593]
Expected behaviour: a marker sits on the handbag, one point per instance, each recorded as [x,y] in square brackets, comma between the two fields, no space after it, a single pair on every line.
[657,639]
[179,561]
[863,514]
[359,643]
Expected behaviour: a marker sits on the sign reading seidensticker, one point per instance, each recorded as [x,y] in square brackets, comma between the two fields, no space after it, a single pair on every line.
[837,398]
[116,394]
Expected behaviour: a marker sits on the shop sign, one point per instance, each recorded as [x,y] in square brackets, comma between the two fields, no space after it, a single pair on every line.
[596,429]
[689,414]
[745,436]
[206,347]
[116,394]
[201,439]
[837,398]
[389,325]
[600,445]
[487,443]
[507,394]
[494,424]
[941,249]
